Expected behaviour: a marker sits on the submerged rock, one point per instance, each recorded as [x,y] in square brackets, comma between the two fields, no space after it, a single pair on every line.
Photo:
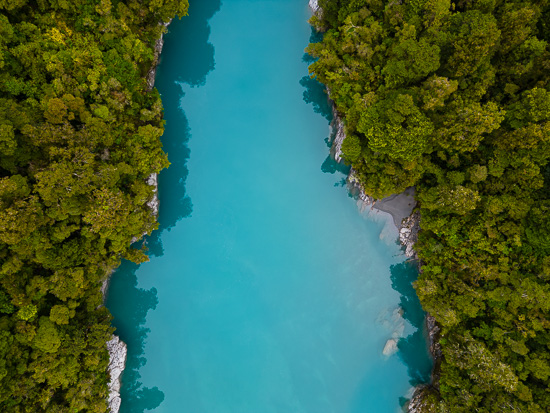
[390,348]
[117,361]
[395,323]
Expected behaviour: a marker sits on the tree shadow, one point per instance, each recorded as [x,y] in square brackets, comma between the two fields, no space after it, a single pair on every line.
[315,94]
[314,37]
[413,349]
[187,58]
[330,166]
[129,321]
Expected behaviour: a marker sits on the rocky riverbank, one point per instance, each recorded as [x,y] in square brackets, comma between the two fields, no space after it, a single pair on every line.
[407,220]
[425,397]
[314,6]
[399,206]
[153,204]
[116,347]
[117,361]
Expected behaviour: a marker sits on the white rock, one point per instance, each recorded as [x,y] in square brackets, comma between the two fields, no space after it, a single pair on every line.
[390,348]
[154,203]
[314,6]
[355,187]
[338,140]
[408,234]
[117,361]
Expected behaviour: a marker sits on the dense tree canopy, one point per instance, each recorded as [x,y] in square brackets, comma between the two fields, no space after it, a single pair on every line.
[454,98]
[79,135]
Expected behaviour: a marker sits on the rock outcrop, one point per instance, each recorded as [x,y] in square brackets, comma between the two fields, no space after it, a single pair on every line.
[153,178]
[338,136]
[117,361]
[408,233]
[426,396]
[435,348]
[356,189]
[421,401]
[314,6]
[153,204]
[158,50]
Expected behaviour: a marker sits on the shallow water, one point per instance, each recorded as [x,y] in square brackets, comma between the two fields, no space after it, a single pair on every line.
[268,291]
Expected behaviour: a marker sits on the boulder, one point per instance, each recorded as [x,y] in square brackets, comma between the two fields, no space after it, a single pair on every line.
[117,361]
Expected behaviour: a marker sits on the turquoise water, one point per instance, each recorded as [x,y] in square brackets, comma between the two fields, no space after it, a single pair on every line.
[268,290]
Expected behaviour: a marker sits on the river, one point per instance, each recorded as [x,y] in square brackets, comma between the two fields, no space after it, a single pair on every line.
[268,289]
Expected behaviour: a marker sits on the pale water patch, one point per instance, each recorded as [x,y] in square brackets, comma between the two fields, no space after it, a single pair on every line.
[268,291]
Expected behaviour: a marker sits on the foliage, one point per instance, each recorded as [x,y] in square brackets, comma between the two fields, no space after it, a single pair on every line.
[79,136]
[454,98]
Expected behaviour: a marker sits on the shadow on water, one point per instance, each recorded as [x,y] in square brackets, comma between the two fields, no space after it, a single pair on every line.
[187,58]
[133,310]
[315,93]
[413,349]
[191,56]
[314,37]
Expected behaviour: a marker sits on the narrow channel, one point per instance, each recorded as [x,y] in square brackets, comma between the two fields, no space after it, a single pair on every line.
[268,289]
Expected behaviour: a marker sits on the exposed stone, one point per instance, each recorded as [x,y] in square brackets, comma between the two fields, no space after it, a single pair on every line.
[435,348]
[158,49]
[408,233]
[338,137]
[314,6]
[152,180]
[153,204]
[356,189]
[117,361]
[105,285]
[417,404]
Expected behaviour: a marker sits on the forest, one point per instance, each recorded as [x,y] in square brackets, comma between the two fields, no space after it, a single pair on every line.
[79,136]
[454,99]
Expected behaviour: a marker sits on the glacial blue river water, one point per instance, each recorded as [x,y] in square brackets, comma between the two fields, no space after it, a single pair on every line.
[268,290]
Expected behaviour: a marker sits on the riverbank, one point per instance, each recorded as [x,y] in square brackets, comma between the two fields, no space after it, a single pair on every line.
[275,278]
[117,349]
[401,208]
